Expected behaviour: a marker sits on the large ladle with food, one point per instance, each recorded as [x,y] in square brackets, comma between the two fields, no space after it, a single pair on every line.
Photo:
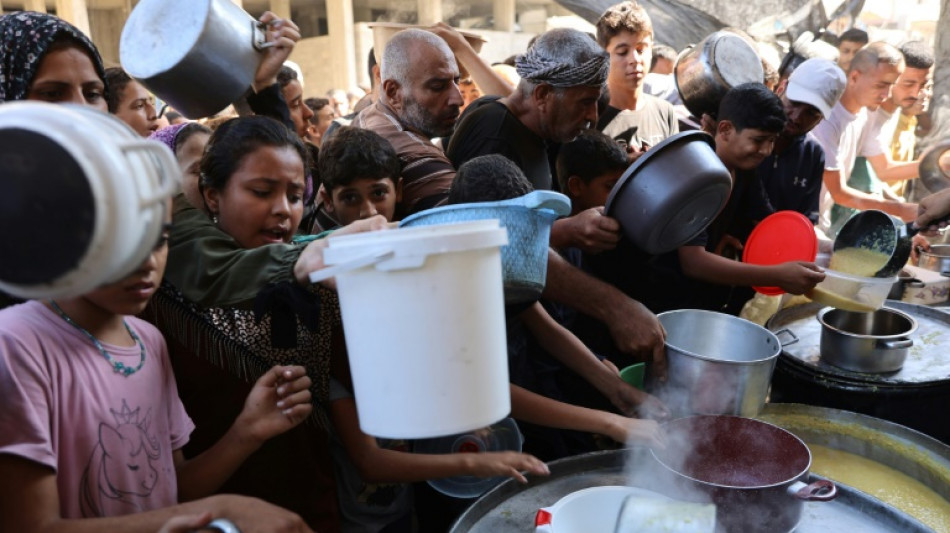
[887,239]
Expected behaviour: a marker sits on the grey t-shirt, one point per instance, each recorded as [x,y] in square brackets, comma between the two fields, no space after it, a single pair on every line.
[365,507]
[655,121]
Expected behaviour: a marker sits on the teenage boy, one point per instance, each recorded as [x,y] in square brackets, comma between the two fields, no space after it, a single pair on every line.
[626,33]
[848,45]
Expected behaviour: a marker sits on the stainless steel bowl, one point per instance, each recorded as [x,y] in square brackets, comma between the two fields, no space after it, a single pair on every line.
[937,259]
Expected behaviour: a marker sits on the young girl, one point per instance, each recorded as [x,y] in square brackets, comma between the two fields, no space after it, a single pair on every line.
[92,427]
[187,141]
[131,102]
[234,305]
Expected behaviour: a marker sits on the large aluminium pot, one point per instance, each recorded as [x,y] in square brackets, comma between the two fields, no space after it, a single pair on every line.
[935,166]
[705,72]
[198,55]
[753,471]
[937,259]
[670,194]
[866,342]
[718,363]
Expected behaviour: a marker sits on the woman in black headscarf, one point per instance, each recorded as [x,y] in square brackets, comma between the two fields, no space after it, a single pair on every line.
[46,58]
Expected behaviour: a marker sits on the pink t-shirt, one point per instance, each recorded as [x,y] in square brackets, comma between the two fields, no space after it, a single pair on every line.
[109,438]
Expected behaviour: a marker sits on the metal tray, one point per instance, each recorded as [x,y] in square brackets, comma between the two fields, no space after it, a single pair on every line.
[511,507]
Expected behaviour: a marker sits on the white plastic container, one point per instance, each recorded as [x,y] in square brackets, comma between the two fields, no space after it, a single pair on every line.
[848,292]
[84,198]
[424,318]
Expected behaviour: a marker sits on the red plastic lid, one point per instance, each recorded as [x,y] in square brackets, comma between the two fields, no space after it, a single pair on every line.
[783,236]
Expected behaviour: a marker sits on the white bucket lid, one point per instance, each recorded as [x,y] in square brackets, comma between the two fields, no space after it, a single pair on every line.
[405,248]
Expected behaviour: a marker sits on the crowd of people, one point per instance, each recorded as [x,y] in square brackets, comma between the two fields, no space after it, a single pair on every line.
[212,382]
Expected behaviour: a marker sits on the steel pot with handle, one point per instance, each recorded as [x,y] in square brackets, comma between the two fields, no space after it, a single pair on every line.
[198,55]
[718,363]
[866,342]
[705,72]
[753,471]
[936,259]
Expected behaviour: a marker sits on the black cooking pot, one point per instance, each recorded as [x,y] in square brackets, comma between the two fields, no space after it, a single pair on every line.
[753,471]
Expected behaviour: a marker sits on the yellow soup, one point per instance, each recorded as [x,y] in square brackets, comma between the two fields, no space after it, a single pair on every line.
[858,261]
[883,483]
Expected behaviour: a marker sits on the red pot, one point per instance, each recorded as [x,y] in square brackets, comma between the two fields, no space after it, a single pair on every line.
[754,472]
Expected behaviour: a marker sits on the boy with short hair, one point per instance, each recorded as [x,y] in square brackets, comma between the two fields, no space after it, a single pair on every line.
[848,44]
[360,172]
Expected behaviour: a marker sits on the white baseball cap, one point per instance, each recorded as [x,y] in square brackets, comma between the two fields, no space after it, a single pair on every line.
[819,82]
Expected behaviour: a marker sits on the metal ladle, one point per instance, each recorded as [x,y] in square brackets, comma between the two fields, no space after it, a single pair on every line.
[877,231]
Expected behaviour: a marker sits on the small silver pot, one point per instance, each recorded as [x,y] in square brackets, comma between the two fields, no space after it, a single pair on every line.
[198,55]
[866,342]
[937,259]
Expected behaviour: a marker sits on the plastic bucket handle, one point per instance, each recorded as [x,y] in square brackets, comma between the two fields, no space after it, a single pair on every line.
[347,266]
[554,201]
[169,179]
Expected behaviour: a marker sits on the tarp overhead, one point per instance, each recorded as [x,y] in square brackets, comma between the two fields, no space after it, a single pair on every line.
[674,23]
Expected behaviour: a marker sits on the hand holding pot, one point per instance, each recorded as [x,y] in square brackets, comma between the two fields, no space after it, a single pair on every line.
[592,231]
[918,243]
[636,331]
[282,36]
[931,210]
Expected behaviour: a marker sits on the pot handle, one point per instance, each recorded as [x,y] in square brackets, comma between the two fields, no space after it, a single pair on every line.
[789,333]
[346,266]
[542,521]
[259,36]
[822,490]
[170,175]
[899,344]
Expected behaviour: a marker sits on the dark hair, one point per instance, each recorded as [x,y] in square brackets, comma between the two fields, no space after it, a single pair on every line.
[625,16]
[285,75]
[173,115]
[662,51]
[917,55]
[855,36]
[316,104]
[590,155]
[353,153]
[187,131]
[370,63]
[488,178]
[238,137]
[752,105]
[116,79]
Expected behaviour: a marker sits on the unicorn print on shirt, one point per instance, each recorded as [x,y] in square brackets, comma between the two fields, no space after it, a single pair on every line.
[120,471]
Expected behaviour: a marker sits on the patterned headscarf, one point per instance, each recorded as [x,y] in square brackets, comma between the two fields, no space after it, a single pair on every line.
[168,135]
[25,36]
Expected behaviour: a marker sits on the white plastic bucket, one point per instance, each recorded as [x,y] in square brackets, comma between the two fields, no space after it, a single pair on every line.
[84,201]
[424,318]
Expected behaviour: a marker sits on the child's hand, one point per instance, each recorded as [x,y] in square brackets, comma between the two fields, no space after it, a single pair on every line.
[278,402]
[798,277]
[646,432]
[633,401]
[492,464]
[186,523]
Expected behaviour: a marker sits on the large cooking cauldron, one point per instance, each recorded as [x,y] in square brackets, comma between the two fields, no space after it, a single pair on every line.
[753,471]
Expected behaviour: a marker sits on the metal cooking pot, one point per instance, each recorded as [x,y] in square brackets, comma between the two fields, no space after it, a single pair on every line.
[718,363]
[866,342]
[671,193]
[937,259]
[753,471]
[198,55]
[904,280]
[705,72]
